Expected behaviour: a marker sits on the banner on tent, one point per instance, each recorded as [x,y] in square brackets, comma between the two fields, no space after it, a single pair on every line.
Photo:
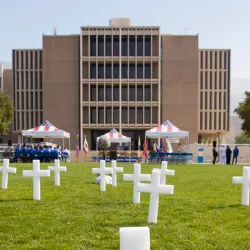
[173,140]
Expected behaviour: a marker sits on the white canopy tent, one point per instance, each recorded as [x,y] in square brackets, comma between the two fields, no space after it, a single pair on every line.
[46,130]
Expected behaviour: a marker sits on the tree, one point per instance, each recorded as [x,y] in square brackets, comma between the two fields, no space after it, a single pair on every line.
[243,111]
[242,139]
[103,144]
[6,112]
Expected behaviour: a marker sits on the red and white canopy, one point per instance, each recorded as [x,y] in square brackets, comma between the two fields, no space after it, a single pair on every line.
[114,136]
[167,129]
[45,130]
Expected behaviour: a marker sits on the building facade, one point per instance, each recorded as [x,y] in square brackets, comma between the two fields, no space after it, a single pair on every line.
[128,77]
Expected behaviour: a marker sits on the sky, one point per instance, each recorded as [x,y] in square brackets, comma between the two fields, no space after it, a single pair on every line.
[221,24]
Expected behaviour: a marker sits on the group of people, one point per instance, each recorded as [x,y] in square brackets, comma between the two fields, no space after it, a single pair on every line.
[226,155]
[44,154]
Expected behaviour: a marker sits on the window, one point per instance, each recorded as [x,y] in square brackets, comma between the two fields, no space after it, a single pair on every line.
[220,100]
[210,120]
[147,71]
[132,93]
[27,120]
[210,102]
[36,79]
[225,101]
[108,115]
[131,45]
[139,45]
[220,80]
[108,93]
[206,59]
[201,120]
[27,100]
[22,80]
[93,115]
[92,45]
[131,115]
[215,60]
[124,93]
[215,100]
[27,79]
[220,60]
[224,120]
[116,74]
[225,60]
[41,100]
[139,93]
[147,116]
[18,99]
[100,71]
[201,100]
[100,45]
[31,100]
[201,58]
[93,71]
[32,119]
[124,45]
[100,93]
[124,71]
[17,59]
[205,120]
[41,80]
[31,80]
[116,116]
[41,59]
[124,115]
[201,80]
[211,80]
[41,117]
[22,100]
[147,51]
[22,120]
[36,100]
[225,80]
[27,60]
[31,59]
[215,80]
[18,121]
[108,71]
[206,80]
[219,120]
[116,93]
[147,95]
[17,80]
[132,71]
[211,59]
[93,93]
[139,116]
[116,46]
[36,117]
[36,67]
[108,46]
[101,115]
[205,100]
[139,71]
[21,60]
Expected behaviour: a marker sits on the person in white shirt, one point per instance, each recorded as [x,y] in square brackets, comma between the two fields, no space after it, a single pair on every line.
[223,155]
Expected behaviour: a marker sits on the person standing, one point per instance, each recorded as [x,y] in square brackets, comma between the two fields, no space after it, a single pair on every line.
[223,155]
[215,154]
[235,155]
[228,155]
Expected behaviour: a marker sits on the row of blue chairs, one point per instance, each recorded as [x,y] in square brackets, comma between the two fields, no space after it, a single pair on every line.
[171,158]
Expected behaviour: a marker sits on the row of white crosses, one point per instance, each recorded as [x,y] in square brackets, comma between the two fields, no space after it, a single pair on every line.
[36,173]
[157,186]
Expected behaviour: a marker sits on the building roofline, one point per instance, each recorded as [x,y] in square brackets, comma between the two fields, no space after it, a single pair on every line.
[215,49]
[61,35]
[26,49]
[117,27]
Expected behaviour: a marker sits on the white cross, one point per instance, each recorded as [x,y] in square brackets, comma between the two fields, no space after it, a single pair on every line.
[245,181]
[115,170]
[6,170]
[36,173]
[155,188]
[136,178]
[164,172]
[134,238]
[57,168]
[102,171]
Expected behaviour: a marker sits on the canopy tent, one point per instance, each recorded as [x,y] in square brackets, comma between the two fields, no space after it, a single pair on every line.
[114,136]
[167,129]
[46,130]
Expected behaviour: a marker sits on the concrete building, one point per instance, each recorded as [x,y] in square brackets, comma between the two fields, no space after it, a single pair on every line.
[128,77]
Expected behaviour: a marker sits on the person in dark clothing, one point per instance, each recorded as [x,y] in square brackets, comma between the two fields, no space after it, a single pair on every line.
[215,154]
[235,155]
[228,155]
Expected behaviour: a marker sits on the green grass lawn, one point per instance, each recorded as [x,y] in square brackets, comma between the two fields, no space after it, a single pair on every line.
[203,213]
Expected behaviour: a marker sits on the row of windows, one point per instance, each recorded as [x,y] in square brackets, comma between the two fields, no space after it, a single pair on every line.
[29,100]
[210,121]
[214,60]
[27,120]
[112,71]
[128,94]
[130,46]
[218,80]
[216,104]
[125,118]
[30,78]
[23,62]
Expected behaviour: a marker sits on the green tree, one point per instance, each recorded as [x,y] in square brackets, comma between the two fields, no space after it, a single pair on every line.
[243,111]
[6,112]
[242,139]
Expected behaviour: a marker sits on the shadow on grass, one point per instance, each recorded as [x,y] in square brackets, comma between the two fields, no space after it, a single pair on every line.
[21,199]
[115,203]
[223,207]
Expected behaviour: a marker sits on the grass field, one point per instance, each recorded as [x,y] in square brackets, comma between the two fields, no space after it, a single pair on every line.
[203,213]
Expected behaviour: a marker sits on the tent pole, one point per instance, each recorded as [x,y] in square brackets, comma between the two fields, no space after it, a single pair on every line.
[63,142]
[69,144]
